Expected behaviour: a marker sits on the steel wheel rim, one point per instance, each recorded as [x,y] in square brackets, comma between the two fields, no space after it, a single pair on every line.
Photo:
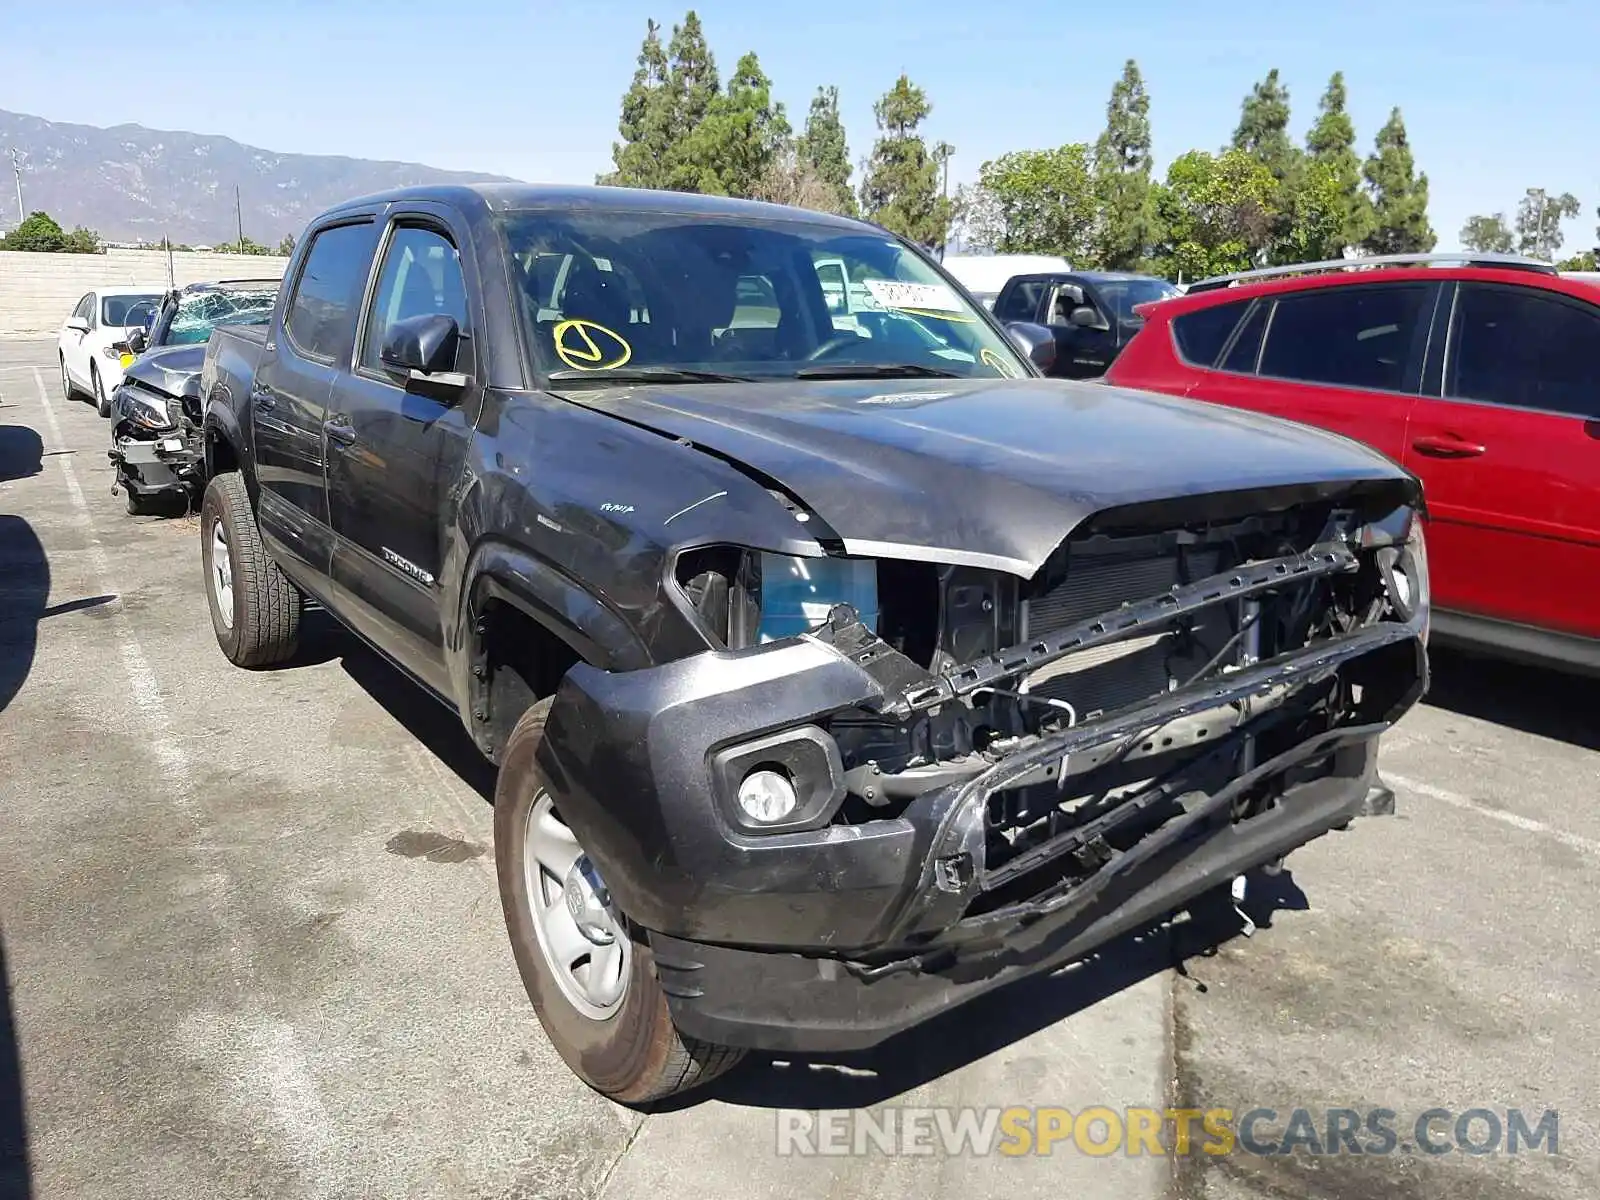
[592,974]
[222,573]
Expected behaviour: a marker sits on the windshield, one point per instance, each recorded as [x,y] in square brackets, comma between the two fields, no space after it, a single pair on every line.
[1123,294]
[198,313]
[615,294]
[114,309]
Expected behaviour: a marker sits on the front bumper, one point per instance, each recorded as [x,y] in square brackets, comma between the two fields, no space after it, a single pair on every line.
[151,462]
[838,936]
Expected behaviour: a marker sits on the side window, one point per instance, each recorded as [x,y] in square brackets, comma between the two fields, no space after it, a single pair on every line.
[1246,348]
[1021,303]
[755,304]
[85,307]
[421,276]
[322,314]
[1517,346]
[1203,333]
[835,289]
[1356,337]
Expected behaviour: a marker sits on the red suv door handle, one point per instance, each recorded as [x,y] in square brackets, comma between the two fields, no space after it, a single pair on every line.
[1447,447]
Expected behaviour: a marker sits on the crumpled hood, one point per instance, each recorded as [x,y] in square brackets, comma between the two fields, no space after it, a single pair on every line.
[987,472]
[166,368]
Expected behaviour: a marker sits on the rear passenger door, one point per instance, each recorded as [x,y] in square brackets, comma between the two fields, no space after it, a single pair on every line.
[396,446]
[1346,358]
[304,354]
[1508,449]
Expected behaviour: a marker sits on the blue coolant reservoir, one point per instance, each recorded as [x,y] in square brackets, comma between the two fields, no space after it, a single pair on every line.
[796,593]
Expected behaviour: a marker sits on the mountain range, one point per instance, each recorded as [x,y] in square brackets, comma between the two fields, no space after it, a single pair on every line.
[130,183]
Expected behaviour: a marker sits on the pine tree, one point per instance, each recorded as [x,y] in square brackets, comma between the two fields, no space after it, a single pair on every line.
[1263,130]
[823,152]
[1126,230]
[693,88]
[743,134]
[1399,195]
[1332,143]
[646,126]
[901,188]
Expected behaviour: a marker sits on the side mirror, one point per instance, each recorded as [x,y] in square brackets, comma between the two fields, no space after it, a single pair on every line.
[1084,317]
[77,325]
[426,344]
[134,338]
[1036,342]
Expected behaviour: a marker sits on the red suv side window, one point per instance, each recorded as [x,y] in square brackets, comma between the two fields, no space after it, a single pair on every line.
[1353,337]
[1524,348]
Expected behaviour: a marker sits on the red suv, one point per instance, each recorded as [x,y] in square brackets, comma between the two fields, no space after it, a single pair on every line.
[1479,374]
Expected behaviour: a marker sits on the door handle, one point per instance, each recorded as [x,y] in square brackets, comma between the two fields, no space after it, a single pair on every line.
[340,431]
[1447,447]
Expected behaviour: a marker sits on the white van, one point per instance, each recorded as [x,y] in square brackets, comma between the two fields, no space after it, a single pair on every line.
[985,274]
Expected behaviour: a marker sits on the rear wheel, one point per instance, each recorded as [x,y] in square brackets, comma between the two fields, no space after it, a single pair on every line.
[255,610]
[591,980]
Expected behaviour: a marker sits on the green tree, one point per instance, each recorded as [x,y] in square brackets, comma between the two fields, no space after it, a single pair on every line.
[1578,262]
[1126,228]
[38,232]
[900,189]
[1539,218]
[1313,222]
[1332,142]
[743,134]
[245,245]
[823,152]
[1218,214]
[641,158]
[1263,131]
[81,241]
[1399,195]
[286,246]
[1488,235]
[1036,202]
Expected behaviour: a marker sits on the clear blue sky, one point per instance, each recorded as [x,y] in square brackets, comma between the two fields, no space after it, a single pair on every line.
[1498,95]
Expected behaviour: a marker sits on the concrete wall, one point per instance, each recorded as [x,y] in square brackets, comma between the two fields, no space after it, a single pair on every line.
[38,291]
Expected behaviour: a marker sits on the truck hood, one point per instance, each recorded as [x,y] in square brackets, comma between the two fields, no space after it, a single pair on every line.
[992,473]
[165,368]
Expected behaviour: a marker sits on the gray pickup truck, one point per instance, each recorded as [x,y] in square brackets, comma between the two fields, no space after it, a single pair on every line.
[838,666]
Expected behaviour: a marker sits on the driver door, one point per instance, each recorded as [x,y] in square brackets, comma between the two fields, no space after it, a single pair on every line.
[75,344]
[1082,351]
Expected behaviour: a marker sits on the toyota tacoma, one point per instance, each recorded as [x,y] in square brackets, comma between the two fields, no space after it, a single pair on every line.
[838,667]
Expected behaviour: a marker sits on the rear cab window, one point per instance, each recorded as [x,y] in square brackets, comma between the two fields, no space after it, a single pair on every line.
[320,319]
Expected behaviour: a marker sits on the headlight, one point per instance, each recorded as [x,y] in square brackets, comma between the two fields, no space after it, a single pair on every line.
[798,593]
[1404,570]
[147,413]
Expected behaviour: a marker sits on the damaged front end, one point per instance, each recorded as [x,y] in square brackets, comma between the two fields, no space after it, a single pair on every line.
[831,835]
[156,447]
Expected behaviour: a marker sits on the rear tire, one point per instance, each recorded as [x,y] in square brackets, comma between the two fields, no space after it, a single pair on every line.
[632,1053]
[102,403]
[136,504]
[255,610]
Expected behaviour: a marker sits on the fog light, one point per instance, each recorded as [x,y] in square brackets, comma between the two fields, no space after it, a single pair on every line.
[767,795]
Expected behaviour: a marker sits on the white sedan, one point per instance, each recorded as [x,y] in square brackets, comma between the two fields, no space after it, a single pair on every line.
[91,347]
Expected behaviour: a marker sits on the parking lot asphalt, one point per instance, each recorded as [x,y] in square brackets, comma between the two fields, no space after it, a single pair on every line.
[251,946]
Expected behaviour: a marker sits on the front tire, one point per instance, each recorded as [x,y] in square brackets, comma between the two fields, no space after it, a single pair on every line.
[102,403]
[255,610]
[593,985]
[69,390]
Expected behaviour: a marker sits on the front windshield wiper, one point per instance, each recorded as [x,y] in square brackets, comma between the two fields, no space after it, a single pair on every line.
[645,374]
[875,371]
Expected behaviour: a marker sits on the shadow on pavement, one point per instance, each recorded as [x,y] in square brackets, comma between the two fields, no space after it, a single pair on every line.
[14,1172]
[24,591]
[21,452]
[1530,699]
[972,1031]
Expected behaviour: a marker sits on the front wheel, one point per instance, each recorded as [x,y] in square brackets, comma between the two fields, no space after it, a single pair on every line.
[591,980]
[255,610]
[102,403]
[69,390]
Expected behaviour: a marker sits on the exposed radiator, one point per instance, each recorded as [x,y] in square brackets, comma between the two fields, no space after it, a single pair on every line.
[1110,677]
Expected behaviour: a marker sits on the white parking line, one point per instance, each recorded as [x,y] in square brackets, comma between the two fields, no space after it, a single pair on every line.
[278,1067]
[1527,824]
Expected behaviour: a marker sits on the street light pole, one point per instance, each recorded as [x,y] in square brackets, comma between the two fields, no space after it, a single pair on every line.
[17,159]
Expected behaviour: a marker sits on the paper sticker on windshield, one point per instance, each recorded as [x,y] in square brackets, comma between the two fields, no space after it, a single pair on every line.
[586,346]
[934,299]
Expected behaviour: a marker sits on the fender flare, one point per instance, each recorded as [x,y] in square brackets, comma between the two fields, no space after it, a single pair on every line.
[219,422]
[502,572]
